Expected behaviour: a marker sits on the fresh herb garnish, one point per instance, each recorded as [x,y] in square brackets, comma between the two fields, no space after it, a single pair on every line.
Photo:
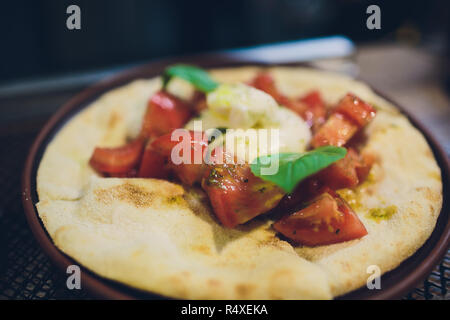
[294,167]
[199,78]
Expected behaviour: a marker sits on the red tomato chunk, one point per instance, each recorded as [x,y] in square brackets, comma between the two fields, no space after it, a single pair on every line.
[117,160]
[350,115]
[325,220]
[310,107]
[237,195]
[165,112]
[153,164]
[356,109]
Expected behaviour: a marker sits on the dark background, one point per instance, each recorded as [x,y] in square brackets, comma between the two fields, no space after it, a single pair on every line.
[35,41]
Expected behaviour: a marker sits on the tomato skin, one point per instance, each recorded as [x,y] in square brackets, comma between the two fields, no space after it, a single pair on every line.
[310,107]
[236,195]
[341,174]
[164,144]
[347,172]
[301,109]
[188,173]
[313,98]
[356,109]
[165,112]
[223,210]
[118,160]
[363,167]
[264,81]
[129,174]
[348,117]
[336,131]
[307,189]
[153,164]
[316,111]
[326,220]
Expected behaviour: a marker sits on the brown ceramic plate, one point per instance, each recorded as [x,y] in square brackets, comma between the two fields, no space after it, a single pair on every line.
[396,283]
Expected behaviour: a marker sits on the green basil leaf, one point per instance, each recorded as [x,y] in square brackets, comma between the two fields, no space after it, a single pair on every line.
[199,78]
[294,167]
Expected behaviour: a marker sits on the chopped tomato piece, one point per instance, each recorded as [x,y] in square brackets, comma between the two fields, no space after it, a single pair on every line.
[237,195]
[350,115]
[313,98]
[316,111]
[117,160]
[366,162]
[191,170]
[327,219]
[341,174]
[195,143]
[129,174]
[165,112]
[355,109]
[192,173]
[164,144]
[301,109]
[265,82]
[306,190]
[336,131]
[153,164]
[310,107]
[188,174]
[347,172]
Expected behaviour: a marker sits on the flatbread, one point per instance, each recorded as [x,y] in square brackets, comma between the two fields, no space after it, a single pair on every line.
[162,237]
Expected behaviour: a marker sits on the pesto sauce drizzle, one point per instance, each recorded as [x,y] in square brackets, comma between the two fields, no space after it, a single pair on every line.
[385,213]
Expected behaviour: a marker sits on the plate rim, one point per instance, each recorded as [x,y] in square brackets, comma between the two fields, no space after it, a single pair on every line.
[109,289]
